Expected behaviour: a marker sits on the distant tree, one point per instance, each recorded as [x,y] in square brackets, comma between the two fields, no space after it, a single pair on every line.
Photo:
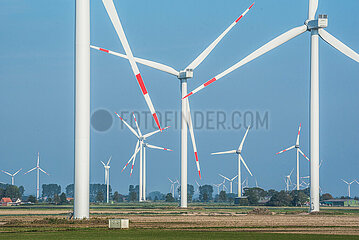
[243,201]
[22,190]
[254,195]
[190,192]
[57,199]
[281,198]
[205,193]
[95,189]
[222,196]
[12,191]
[156,195]
[299,198]
[133,196]
[32,199]
[326,196]
[49,190]
[271,192]
[70,190]
[116,197]
[133,193]
[156,199]
[63,199]
[231,197]
[169,198]
[100,196]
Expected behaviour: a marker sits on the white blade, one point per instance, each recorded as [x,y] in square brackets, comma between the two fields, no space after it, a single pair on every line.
[155,147]
[209,49]
[128,126]
[133,155]
[152,64]
[234,178]
[313,6]
[44,171]
[297,142]
[286,150]
[109,160]
[154,132]
[303,154]
[191,132]
[30,170]
[330,39]
[103,163]
[225,152]
[291,172]
[112,13]
[138,129]
[134,159]
[197,183]
[6,173]
[244,163]
[224,177]
[170,180]
[17,171]
[244,138]
[345,181]
[285,37]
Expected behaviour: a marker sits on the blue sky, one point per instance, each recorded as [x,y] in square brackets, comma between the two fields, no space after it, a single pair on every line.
[37,79]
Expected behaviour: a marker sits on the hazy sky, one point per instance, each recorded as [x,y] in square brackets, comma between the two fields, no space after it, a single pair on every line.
[37,86]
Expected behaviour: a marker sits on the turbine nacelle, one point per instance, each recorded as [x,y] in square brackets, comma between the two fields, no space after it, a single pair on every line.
[238,151]
[321,22]
[184,74]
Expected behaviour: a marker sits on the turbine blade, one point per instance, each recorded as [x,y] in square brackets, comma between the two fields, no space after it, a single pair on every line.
[6,173]
[341,47]
[155,147]
[244,138]
[138,129]
[17,171]
[345,181]
[128,126]
[112,13]
[244,163]
[154,132]
[313,6]
[291,172]
[133,155]
[149,63]
[30,170]
[259,52]
[134,159]
[103,163]
[44,171]
[224,177]
[209,49]
[193,140]
[234,178]
[303,154]
[297,142]
[225,152]
[109,160]
[286,150]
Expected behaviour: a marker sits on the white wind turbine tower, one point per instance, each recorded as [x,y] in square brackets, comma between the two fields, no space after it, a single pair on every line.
[12,175]
[240,159]
[199,185]
[38,169]
[107,178]
[172,189]
[316,28]
[297,147]
[348,183]
[182,75]
[141,146]
[230,180]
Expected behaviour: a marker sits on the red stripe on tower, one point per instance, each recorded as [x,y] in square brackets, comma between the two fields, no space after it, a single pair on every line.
[141,83]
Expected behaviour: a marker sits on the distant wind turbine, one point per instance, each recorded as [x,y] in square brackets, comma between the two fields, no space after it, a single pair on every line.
[107,178]
[12,175]
[230,180]
[348,183]
[38,169]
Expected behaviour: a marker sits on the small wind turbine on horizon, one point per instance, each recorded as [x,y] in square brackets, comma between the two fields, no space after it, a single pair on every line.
[38,169]
[288,181]
[107,178]
[172,189]
[349,184]
[296,146]
[141,146]
[12,175]
[240,159]
[230,180]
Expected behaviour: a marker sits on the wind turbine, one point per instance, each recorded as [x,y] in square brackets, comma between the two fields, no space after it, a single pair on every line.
[288,181]
[218,186]
[198,186]
[230,180]
[107,178]
[296,146]
[183,76]
[348,183]
[172,189]
[141,146]
[38,169]
[240,159]
[316,27]
[12,175]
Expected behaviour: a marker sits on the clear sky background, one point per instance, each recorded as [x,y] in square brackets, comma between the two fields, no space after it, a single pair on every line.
[37,87]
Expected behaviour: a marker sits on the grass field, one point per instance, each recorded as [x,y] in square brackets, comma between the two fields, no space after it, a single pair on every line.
[167,221]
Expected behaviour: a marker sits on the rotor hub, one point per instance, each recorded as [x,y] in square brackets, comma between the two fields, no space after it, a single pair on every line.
[185,74]
[321,22]
[238,151]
